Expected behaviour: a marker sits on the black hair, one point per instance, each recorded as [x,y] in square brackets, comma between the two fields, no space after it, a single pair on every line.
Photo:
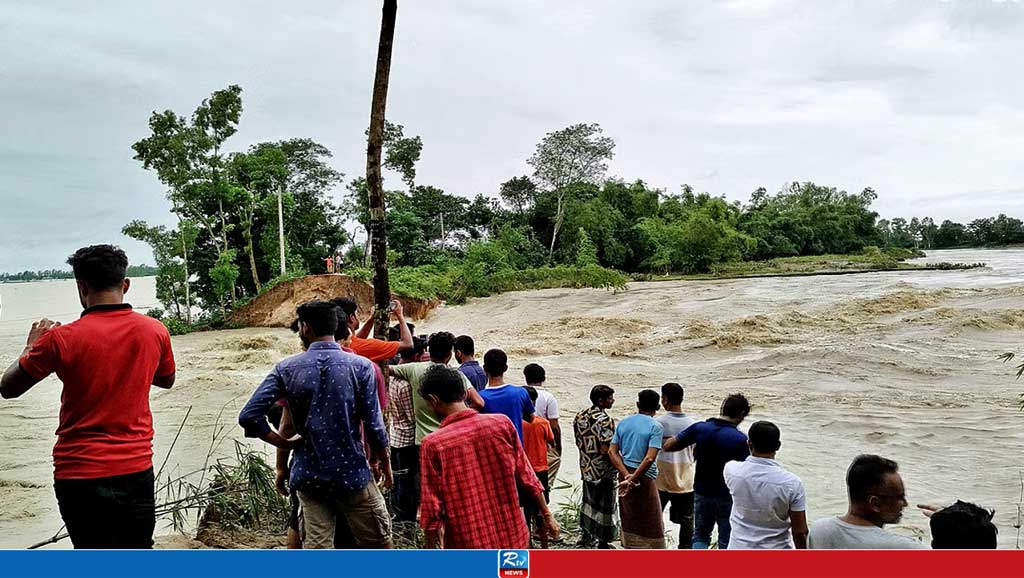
[444,383]
[765,437]
[673,393]
[343,330]
[532,392]
[418,345]
[320,316]
[395,331]
[99,266]
[440,345]
[963,526]
[495,363]
[347,304]
[600,392]
[294,325]
[867,474]
[736,406]
[464,345]
[648,400]
[534,373]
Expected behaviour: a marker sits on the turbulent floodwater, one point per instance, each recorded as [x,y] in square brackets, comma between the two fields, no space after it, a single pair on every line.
[899,364]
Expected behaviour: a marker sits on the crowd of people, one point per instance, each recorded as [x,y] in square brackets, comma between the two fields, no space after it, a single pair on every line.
[461,451]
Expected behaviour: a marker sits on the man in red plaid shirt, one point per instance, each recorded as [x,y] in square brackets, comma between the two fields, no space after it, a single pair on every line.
[470,469]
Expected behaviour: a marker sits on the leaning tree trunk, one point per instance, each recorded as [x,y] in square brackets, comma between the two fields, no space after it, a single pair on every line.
[374,182]
[184,255]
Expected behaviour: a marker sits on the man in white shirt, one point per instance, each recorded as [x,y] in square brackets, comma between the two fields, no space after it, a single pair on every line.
[769,504]
[547,408]
[676,469]
[877,498]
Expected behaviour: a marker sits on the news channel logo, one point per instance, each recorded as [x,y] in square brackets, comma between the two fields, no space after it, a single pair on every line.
[513,563]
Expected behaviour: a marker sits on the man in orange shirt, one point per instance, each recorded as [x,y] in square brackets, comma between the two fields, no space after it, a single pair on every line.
[374,349]
[537,437]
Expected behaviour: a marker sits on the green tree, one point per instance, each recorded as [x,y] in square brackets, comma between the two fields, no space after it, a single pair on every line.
[586,254]
[574,155]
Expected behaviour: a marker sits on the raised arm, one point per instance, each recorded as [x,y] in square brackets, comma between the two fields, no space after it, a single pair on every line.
[404,335]
[683,440]
[40,359]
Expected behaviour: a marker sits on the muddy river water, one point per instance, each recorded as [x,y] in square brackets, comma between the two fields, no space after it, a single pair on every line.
[899,364]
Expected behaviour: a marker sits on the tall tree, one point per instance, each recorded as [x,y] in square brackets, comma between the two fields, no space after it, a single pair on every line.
[573,155]
[374,181]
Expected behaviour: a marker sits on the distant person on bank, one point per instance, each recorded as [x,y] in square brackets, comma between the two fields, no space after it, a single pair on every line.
[106,360]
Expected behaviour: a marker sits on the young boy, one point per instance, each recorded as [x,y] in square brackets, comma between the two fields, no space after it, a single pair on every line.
[537,437]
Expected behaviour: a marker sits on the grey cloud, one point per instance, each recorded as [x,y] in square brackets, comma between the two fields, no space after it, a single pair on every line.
[918,99]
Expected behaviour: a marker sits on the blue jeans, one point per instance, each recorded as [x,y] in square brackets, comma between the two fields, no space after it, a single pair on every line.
[707,511]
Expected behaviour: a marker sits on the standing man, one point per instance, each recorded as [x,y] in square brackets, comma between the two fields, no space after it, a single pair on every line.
[468,365]
[402,433]
[500,397]
[547,408]
[633,452]
[537,438]
[471,466]
[332,397]
[374,349]
[106,360]
[594,430]
[675,469]
[769,504]
[877,497]
[716,442]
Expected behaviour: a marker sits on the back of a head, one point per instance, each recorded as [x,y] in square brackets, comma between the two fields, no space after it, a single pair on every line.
[343,330]
[866,475]
[320,316]
[100,267]
[736,406]
[418,345]
[648,400]
[963,526]
[534,373]
[673,393]
[464,345]
[765,437]
[395,332]
[532,392]
[495,362]
[347,304]
[444,383]
[440,345]
[600,393]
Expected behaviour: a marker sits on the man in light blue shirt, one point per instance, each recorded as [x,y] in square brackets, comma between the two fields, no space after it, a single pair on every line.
[633,452]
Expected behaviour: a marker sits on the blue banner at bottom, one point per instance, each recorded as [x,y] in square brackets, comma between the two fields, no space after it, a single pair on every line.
[250,563]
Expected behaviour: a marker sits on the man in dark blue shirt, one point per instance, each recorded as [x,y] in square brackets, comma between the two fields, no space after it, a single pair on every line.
[332,396]
[716,442]
[470,367]
[500,397]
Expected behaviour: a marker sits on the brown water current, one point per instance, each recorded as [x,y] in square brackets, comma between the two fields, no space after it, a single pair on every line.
[899,364]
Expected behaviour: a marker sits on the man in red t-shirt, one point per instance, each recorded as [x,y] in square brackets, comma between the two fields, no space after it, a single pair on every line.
[107,360]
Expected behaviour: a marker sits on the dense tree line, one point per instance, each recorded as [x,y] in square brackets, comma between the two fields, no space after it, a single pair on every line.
[567,214]
[48,274]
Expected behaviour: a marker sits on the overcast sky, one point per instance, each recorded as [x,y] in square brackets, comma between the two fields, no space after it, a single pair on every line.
[923,101]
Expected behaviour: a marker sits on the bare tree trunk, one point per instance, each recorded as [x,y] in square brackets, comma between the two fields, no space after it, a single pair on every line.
[252,257]
[281,226]
[188,293]
[559,215]
[374,182]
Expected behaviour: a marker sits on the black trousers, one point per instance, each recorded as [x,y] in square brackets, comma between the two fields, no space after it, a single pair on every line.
[114,512]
